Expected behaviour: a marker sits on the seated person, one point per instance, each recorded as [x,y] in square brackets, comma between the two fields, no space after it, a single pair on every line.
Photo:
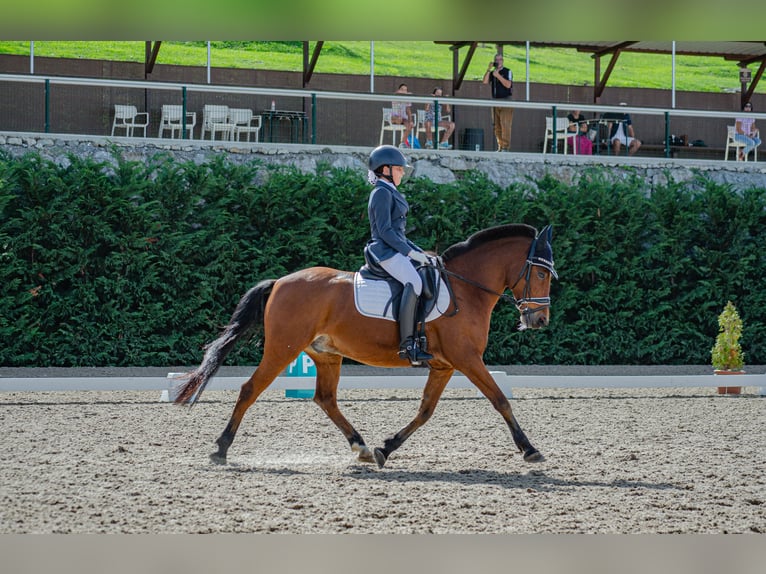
[401,113]
[578,126]
[746,133]
[449,126]
[621,132]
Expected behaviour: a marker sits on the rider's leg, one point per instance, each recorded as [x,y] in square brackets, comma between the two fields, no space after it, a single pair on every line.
[401,269]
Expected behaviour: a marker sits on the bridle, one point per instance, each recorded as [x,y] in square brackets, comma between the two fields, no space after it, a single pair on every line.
[539,303]
[523,303]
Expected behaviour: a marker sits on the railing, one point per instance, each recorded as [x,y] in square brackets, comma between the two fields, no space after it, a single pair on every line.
[332,111]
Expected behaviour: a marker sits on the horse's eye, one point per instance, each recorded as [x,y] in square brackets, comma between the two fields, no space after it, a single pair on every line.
[540,275]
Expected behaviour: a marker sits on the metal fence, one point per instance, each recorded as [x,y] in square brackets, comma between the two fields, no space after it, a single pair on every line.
[86,106]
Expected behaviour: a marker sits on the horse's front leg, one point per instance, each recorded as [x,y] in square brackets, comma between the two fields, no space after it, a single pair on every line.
[437,380]
[480,376]
[328,375]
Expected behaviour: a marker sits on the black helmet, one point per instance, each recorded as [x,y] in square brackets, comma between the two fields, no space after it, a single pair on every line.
[386,155]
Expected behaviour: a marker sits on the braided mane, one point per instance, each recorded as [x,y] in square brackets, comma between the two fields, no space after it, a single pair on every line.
[486,235]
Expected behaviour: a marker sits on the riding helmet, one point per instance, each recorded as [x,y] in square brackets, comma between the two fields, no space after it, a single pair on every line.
[386,155]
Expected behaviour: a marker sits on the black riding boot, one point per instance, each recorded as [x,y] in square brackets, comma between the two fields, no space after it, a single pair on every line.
[409,345]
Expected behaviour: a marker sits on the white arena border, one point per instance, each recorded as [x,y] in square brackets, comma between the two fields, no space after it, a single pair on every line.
[505,382]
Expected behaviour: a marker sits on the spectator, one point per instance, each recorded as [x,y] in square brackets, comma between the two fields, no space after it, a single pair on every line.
[500,79]
[579,141]
[448,125]
[621,133]
[401,113]
[746,133]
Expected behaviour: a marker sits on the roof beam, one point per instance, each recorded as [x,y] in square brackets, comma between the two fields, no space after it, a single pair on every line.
[748,94]
[309,66]
[459,76]
[599,82]
[150,57]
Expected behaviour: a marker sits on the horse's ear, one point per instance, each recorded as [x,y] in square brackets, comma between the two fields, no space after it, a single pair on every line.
[543,252]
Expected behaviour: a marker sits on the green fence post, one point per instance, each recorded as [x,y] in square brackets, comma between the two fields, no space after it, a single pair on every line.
[313,118]
[554,144]
[183,114]
[47,105]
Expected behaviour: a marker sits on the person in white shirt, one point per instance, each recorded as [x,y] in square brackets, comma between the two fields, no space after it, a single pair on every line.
[621,134]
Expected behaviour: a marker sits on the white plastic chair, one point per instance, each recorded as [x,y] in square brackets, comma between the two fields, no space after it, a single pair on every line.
[128,118]
[171,119]
[560,133]
[215,119]
[733,144]
[387,126]
[244,122]
[421,126]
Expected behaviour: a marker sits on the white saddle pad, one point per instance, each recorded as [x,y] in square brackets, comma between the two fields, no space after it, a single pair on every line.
[373,299]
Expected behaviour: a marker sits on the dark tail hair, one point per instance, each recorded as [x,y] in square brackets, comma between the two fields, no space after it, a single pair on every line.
[246,317]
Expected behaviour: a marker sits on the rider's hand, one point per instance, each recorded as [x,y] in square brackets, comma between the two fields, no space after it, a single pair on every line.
[418,256]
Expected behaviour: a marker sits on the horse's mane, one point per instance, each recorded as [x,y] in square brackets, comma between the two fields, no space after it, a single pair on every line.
[486,235]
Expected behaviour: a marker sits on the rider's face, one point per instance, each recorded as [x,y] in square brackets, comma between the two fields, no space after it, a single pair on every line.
[397,173]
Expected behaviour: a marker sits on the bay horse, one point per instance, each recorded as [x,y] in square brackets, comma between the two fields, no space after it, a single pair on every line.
[510,256]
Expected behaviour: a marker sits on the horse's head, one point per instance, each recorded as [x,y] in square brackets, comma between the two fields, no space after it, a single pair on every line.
[527,273]
[532,288]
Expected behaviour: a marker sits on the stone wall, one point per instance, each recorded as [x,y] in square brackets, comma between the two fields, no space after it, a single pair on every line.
[439,166]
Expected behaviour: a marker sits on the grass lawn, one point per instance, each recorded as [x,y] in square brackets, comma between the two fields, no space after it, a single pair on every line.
[412,59]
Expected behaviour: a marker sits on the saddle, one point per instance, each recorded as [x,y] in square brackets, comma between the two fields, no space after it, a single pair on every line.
[377,294]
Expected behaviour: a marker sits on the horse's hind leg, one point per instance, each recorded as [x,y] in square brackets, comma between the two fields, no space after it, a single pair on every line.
[437,380]
[480,376]
[328,375]
[263,376]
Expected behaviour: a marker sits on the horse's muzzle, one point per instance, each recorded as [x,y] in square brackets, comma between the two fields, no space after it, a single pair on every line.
[534,318]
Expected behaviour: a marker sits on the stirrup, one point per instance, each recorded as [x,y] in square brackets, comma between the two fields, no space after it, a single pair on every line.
[412,351]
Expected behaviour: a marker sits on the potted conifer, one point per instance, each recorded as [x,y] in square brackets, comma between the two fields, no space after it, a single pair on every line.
[727,356]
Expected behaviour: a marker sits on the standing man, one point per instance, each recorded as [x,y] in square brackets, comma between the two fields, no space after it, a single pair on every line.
[500,79]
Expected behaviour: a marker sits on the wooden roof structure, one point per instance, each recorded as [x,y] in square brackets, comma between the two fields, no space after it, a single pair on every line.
[152,49]
[744,54]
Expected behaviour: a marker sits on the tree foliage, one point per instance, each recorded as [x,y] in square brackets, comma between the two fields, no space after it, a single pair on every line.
[126,264]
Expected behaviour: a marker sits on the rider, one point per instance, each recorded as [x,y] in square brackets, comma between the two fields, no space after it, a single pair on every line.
[387,209]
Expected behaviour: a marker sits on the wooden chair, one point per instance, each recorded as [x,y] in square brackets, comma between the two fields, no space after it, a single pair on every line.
[172,119]
[387,126]
[733,144]
[559,132]
[244,122]
[128,118]
[215,119]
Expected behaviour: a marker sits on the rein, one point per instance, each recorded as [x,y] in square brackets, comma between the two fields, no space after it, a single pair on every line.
[521,304]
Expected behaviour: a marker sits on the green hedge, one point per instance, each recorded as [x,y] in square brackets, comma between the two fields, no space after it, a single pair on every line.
[128,264]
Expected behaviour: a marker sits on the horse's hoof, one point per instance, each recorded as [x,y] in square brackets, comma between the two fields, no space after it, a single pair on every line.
[216,458]
[380,457]
[533,455]
[365,454]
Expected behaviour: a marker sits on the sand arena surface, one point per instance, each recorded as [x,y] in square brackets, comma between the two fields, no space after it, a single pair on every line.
[617,461]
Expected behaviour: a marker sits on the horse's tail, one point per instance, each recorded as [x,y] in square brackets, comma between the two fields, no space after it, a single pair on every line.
[246,317]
